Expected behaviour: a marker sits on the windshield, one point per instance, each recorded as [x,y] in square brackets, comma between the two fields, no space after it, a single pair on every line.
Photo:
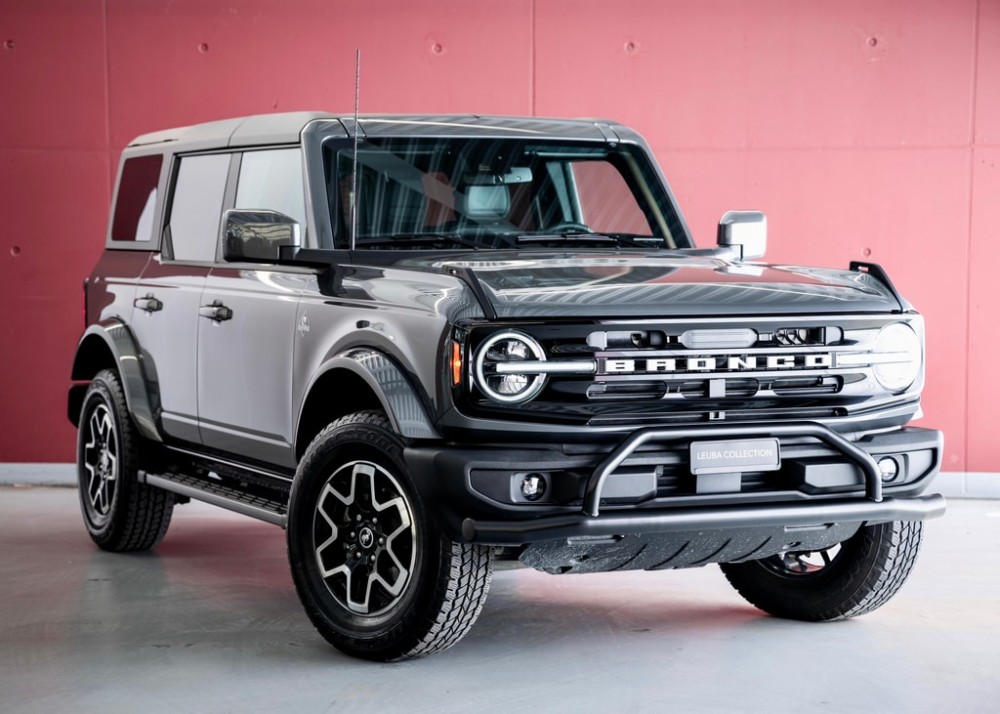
[498,193]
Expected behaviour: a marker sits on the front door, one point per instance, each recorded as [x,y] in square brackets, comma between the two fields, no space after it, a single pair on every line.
[246,334]
[246,328]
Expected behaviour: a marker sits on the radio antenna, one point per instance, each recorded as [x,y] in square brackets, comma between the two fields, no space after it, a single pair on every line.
[354,168]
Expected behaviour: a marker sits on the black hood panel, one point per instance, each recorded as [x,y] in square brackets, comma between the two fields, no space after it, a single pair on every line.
[567,285]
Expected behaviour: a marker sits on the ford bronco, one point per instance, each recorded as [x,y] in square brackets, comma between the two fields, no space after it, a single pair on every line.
[423,343]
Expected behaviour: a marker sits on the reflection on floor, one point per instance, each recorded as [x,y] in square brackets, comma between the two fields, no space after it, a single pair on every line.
[210,622]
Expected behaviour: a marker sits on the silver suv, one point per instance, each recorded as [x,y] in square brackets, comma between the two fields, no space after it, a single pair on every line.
[420,344]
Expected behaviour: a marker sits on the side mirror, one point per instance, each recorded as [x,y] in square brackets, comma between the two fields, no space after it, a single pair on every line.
[258,236]
[746,231]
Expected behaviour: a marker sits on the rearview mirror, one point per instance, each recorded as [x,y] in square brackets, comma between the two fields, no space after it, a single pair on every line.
[258,236]
[516,174]
[746,231]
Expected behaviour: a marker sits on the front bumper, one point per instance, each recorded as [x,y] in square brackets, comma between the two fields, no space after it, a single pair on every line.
[644,485]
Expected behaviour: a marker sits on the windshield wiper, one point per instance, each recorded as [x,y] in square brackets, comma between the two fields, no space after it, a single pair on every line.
[565,238]
[419,239]
[615,239]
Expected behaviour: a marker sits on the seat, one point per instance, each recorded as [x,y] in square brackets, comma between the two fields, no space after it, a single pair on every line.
[485,204]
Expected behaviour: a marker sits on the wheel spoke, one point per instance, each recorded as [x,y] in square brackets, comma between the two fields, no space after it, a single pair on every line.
[93,427]
[106,427]
[93,484]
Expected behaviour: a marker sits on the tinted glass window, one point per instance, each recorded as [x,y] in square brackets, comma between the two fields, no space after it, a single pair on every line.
[272,180]
[197,207]
[136,199]
[606,201]
[499,193]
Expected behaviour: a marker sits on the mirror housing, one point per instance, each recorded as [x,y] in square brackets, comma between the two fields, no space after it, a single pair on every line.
[258,236]
[744,231]
[515,174]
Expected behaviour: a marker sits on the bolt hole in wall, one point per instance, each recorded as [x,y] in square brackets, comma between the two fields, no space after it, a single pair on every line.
[8,44]
[15,251]
[203,47]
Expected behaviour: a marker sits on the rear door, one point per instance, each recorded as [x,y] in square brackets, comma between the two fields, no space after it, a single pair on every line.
[247,326]
[165,316]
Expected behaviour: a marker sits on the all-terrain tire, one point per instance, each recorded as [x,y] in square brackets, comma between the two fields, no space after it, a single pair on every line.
[857,576]
[120,513]
[376,575]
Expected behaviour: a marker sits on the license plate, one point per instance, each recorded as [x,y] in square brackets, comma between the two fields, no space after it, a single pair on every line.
[720,457]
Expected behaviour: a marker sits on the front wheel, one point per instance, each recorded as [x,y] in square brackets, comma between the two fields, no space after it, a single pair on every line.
[851,578]
[376,576]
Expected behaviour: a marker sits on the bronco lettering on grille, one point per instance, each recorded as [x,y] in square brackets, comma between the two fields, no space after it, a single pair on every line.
[742,363]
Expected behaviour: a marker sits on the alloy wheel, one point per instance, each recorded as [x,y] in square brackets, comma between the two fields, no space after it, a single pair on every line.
[803,563]
[100,460]
[364,538]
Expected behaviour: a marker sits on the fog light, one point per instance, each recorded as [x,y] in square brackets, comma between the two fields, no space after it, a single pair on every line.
[888,468]
[533,486]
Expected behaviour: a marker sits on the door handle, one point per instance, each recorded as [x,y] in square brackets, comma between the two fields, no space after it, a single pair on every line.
[148,303]
[216,311]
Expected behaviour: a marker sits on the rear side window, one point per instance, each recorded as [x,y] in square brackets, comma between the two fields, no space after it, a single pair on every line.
[272,180]
[136,202]
[196,209]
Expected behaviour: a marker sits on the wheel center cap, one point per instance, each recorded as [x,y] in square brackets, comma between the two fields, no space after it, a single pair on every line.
[366,537]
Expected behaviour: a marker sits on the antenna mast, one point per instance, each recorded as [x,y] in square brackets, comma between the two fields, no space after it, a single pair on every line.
[354,168]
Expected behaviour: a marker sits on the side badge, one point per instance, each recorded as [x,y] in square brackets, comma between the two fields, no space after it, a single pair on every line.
[303,326]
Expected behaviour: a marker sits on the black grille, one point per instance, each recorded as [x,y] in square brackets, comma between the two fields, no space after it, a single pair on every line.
[644,373]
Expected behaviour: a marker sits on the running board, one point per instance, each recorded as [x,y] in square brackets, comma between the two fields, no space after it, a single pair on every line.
[246,504]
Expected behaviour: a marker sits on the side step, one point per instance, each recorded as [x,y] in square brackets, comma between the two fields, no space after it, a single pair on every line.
[219,494]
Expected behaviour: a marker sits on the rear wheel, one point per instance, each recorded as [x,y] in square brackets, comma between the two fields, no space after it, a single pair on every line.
[376,576]
[851,578]
[120,513]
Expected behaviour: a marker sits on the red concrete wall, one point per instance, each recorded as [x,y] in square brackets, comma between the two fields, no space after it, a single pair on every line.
[866,129]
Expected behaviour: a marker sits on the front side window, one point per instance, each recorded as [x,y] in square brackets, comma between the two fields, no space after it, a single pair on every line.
[196,209]
[496,193]
[133,219]
[272,180]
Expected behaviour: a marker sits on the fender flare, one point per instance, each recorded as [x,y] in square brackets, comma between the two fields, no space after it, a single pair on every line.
[141,400]
[401,402]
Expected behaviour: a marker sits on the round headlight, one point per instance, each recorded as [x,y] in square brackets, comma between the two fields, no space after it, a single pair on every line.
[496,366]
[898,356]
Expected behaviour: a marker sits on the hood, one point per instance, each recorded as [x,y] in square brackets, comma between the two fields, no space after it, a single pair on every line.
[635,285]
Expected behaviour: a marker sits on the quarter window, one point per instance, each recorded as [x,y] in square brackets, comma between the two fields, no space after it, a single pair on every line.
[136,202]
[272,180]
[197,207]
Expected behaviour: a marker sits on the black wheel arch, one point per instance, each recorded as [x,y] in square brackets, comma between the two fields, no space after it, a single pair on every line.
[362,379]
[110,345]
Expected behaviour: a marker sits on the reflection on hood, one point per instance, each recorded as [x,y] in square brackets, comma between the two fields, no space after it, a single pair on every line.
[642,285]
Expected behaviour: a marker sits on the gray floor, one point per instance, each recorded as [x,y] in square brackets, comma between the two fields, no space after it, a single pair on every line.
[210,622]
